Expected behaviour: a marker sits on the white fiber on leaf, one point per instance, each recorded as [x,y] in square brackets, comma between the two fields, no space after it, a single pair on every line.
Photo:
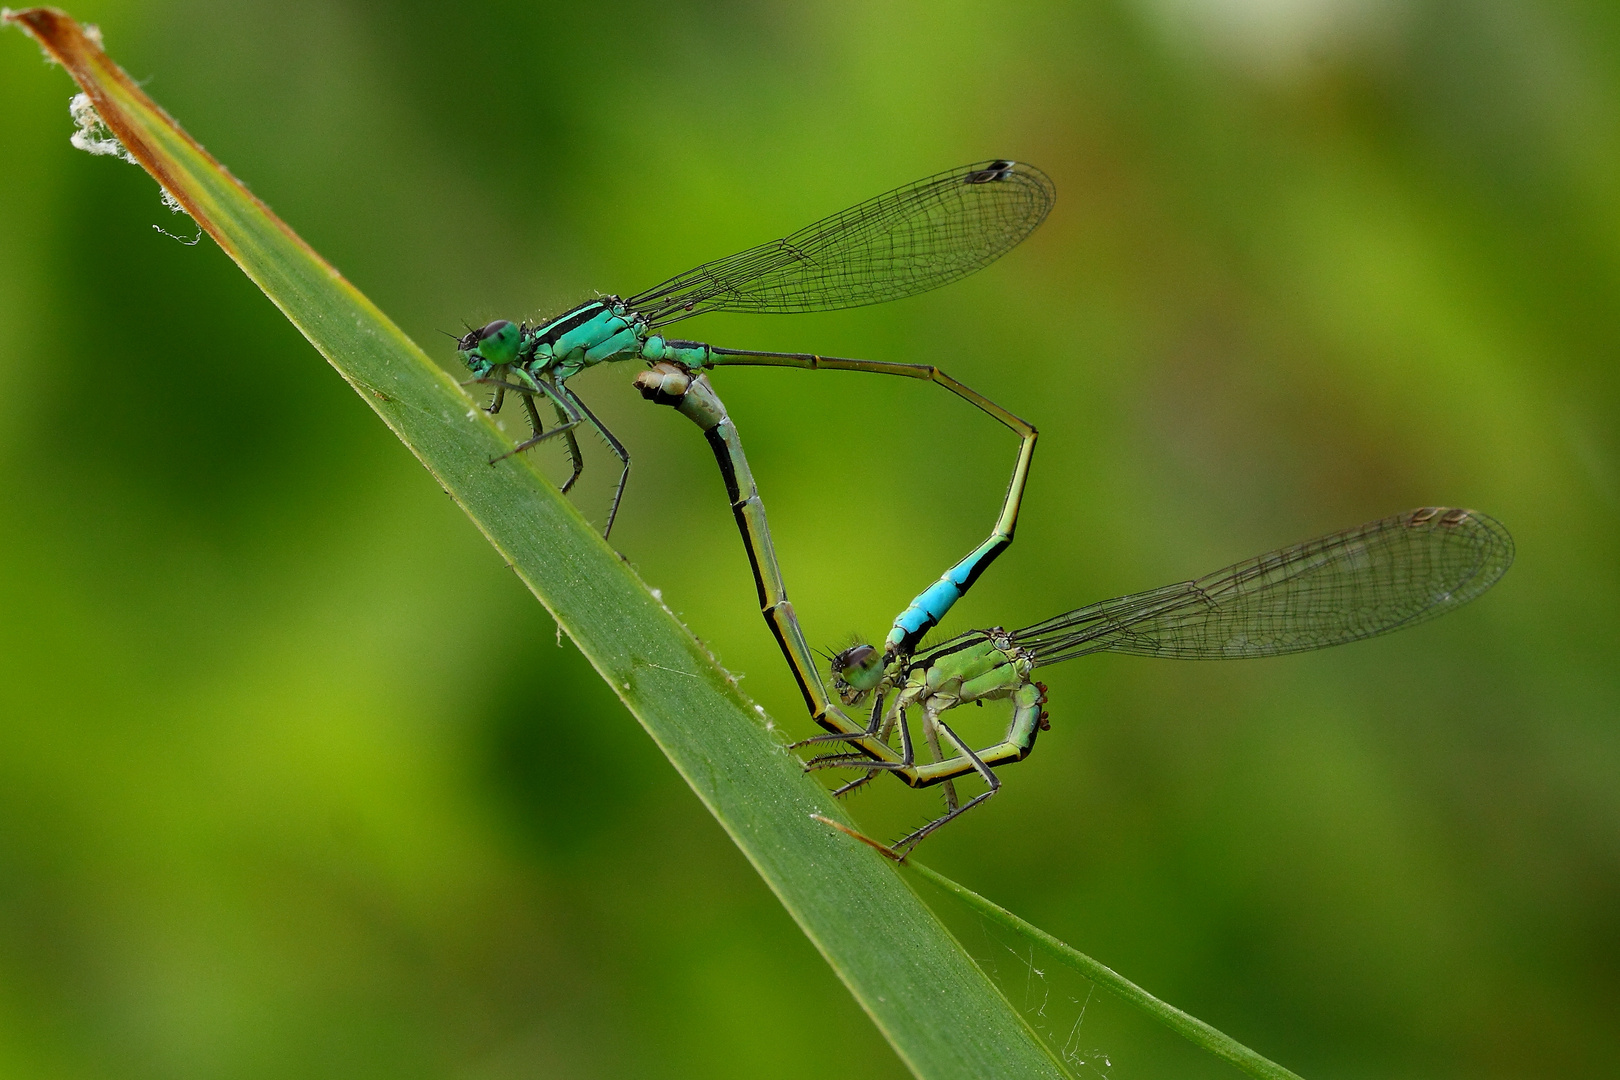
[92,135]
[175,208]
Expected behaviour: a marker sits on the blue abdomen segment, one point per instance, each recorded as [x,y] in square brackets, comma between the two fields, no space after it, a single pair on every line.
[924,613]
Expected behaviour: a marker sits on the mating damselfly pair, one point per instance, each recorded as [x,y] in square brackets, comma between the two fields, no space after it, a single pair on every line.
[1358,583]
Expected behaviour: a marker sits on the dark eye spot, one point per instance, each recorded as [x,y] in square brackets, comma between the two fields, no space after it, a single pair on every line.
[996,170]
[494,328]
[853,657]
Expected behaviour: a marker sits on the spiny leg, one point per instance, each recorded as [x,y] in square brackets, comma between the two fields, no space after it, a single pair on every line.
[859,782]
[897,715]
[537,428]
[931,733]
[535,441]
[498,373]
[909,843]
[908,755]
[852,761]
[613,444]
[536,425]
[574,456]
[877,727]
[499,383]
[534,417]
[527,392]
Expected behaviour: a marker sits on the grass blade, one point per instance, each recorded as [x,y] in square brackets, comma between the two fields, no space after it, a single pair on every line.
[941,1013]
[1189,1027]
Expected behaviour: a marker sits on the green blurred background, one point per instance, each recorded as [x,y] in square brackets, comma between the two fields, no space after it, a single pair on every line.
[295,779]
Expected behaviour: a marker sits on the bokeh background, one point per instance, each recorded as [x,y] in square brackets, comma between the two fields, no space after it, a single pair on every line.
[297,780]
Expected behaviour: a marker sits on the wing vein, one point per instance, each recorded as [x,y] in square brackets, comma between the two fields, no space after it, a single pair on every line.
[898,244]
[1354,584]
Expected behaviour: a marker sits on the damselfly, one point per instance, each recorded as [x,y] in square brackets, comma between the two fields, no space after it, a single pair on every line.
[1386,575]
[907,241]
[1382,576]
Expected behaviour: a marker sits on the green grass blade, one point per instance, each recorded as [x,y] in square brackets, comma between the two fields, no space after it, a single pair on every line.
[938,1009]
[1193,1029]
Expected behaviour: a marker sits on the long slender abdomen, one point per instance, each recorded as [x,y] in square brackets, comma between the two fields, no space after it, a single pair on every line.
[925,612]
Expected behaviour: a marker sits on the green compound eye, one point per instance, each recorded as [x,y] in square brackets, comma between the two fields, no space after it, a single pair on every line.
[859,666]
[497,342]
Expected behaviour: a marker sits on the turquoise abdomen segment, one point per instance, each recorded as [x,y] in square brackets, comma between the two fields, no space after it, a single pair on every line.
[924,613]
[691,354]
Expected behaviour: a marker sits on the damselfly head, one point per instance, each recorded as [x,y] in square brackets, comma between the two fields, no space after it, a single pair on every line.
[856,672]
[490,346]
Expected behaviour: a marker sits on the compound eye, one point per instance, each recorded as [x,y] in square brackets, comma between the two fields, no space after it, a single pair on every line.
[859,666]
[499,342]
[856,656]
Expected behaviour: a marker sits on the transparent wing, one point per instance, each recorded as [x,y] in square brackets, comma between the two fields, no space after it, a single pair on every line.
[1364,581]
[904,242]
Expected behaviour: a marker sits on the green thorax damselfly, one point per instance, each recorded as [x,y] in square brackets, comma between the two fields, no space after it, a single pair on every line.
[904,242]
[1382,576]
[1386,575]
